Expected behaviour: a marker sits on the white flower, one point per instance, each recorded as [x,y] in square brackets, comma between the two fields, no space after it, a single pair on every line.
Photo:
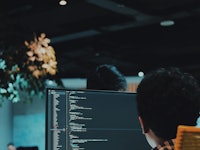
[2,64]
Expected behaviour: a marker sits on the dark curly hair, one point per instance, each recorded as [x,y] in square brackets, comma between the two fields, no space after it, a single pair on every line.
[167,98]
[107,77]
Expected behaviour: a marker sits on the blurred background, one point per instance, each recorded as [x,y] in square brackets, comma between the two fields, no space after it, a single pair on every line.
[133,35]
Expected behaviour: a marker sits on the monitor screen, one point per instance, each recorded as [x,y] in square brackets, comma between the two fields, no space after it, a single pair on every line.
[92,120]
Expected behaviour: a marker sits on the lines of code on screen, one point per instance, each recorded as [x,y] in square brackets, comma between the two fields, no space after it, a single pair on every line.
[92,120]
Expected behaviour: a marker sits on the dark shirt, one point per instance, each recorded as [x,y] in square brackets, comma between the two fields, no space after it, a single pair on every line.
[167,145]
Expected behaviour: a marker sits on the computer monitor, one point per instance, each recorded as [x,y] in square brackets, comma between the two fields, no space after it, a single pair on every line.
[92,120]
[27,148]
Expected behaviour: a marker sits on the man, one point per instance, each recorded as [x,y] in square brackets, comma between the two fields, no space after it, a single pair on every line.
[167,98]
[107,77]
[11,146]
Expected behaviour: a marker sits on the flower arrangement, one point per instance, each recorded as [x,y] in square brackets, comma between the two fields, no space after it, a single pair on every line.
[8,82]
[27,70]
[41,57]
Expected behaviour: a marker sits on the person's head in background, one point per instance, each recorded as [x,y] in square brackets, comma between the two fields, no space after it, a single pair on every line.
[107,77]
[166,98]
[11,146]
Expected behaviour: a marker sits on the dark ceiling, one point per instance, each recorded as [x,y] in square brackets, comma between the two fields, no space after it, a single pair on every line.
[126,33]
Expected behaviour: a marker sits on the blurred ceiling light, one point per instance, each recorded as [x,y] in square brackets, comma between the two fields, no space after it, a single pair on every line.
[62,2]
[166,23]
[140,74]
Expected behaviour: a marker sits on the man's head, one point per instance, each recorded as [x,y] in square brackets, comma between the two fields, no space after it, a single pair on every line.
[167,98]
[11,146]
[107,77]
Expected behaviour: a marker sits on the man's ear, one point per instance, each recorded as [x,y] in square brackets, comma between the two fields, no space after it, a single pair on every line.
[144,127]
